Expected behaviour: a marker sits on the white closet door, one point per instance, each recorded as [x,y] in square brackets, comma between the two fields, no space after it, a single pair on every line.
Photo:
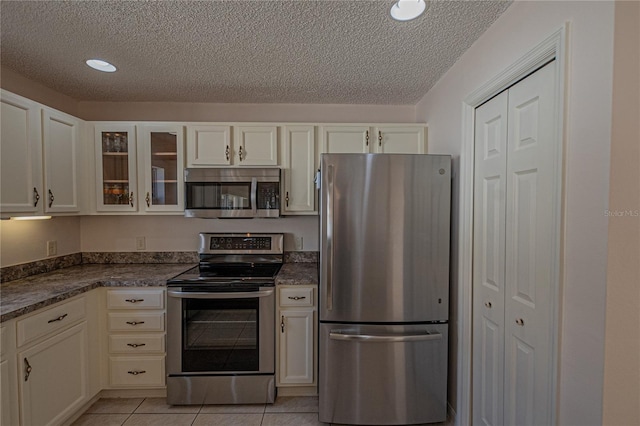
[516,210]
[488,265]
[530,258]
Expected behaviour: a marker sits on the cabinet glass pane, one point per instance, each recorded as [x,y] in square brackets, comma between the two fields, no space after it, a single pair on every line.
[115,167]
[164,169]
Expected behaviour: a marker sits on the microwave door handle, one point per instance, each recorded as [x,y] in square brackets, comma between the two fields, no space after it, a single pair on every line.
[254,196]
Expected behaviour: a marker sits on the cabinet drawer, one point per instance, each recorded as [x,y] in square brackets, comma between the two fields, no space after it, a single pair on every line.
[136,343]
[50,320]
[302,296]
[135,299]
[136,321]
[137,371]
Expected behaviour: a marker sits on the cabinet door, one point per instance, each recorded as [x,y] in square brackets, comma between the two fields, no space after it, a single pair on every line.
[296,347]
[400,140]
[116,183]
[345,139]
[161,161]
[20,156]
[299,162]
[208,146]
[256,145]
[53,377]
[60,134]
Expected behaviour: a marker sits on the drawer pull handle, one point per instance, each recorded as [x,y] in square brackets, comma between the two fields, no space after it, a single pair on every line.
[27,369]
[136,372]
[135,322]
[136,345]
[297,297]
[134,300]
[60,318]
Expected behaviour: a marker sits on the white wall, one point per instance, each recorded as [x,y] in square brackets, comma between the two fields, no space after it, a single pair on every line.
[621,403]
[24,241]
[587,144]
[177,233]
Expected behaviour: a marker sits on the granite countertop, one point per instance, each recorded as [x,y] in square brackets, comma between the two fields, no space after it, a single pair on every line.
[26,295]
[298,274]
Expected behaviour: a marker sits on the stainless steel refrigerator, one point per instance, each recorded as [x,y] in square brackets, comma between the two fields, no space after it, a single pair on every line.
[384,288]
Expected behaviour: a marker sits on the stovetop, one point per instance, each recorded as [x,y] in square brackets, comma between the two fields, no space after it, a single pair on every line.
[226,273]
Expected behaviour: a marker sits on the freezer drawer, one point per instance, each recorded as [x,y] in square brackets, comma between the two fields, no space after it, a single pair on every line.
[383,375]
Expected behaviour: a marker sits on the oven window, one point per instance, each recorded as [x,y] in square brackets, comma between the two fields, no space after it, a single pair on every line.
[221,196]
[220,335]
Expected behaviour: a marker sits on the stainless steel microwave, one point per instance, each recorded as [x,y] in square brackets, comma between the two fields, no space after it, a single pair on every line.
[232,193]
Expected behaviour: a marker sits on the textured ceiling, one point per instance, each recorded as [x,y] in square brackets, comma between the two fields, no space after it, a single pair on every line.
[338,52]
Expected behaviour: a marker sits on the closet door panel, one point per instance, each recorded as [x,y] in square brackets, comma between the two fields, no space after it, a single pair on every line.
[530,218]
[488,272]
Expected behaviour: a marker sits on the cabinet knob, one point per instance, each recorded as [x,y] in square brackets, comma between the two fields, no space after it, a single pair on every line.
[520,322]
[488,304]
[36,197]
[148,200]
[379,138]
[226,152]
[131,199]
[286,198]
[282,324]
[240,153]
[366,138]
[51,198]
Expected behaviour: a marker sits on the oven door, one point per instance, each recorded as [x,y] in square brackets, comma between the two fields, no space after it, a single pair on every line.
[220,333]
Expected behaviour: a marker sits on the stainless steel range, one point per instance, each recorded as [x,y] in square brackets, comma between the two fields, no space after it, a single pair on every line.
[221,322]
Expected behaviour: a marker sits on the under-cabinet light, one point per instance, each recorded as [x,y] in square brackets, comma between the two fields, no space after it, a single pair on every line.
[29,217]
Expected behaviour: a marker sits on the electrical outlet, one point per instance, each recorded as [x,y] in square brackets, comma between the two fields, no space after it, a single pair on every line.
[52,248]
[298,243]
[140,243]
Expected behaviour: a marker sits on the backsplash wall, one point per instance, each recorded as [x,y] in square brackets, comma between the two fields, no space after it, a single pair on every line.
[177,233]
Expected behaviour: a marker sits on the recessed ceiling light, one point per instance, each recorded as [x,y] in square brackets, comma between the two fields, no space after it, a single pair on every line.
[100,65]
[406,10]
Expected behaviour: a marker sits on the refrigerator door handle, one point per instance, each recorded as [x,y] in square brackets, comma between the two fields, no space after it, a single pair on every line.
[329,239]
[385,338]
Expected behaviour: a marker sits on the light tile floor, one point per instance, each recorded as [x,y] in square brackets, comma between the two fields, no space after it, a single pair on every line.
[287,411]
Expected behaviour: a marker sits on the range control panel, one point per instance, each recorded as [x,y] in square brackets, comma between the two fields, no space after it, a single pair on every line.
[236,243]
[240,243]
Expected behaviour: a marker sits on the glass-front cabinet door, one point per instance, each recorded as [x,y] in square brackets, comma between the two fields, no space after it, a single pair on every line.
[162,163]
[116,186]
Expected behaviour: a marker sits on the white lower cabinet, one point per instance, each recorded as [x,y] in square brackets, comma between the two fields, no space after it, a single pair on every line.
[136,337]
[52,363]
[296,336]
[8,375]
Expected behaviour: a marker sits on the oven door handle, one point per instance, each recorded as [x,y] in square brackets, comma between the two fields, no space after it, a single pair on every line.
[214,295]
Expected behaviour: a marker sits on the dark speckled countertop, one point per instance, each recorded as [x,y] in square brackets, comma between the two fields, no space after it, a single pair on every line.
[26,295]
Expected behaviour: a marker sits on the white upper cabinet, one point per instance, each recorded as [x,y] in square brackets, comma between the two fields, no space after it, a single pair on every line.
[227,145]
[161,162]
[20,156]
[208,146]
[382,139]
[299,152]
[60,134]
[116,183]
[40,158]
[400,140]
[345,139]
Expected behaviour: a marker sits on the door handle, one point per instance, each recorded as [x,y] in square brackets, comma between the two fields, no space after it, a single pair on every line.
[27,369]
[51,198]
[329,240]
[372,338]
[36,197]
[205,295]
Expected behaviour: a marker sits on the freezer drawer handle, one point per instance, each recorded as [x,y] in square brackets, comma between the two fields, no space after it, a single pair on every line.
[386,338]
